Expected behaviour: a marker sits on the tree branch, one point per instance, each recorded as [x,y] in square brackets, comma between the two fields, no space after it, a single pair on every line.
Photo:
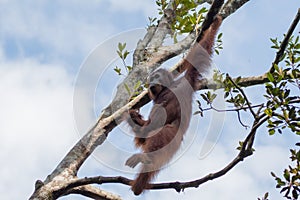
[213,11]
[163,27]
[157,56]
[246,150]
[139,52]
[92,192]
[204,84]
[243,93]
[231,6]
[65,173]
[285,41]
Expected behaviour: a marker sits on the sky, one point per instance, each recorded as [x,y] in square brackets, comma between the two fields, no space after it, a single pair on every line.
[56,75]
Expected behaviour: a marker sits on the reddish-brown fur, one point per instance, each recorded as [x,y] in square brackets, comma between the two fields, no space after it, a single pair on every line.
[160,136]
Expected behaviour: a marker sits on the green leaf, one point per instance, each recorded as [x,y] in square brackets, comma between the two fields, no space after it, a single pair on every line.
[126,53]
[220,36]
[286,175]
[269,112]
[120,54]
[121,46]
[217,52]
[118,70]
[212,97]
[198,113]
[270,77]
[274,41]
[297,46]
[238,79]
[271,131]
[276,67]
[295,194]
[297,40]
[198,102]
[226,94]
[129,68]
[284,189]
[205,98]
[137,85]
[127,89]
[266,196]
[273,174]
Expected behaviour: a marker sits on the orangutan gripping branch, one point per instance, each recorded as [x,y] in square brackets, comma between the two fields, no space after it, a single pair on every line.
[160,136]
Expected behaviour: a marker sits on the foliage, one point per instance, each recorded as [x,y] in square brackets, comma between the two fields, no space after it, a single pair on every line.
[187,17]
[290,182]
[218,44]
[138,87]
[265,197]
[122,53]
[281,107]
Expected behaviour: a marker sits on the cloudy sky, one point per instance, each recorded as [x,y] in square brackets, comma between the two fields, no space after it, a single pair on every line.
[56,75]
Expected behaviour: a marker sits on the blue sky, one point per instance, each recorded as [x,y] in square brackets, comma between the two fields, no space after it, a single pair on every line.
[47,47]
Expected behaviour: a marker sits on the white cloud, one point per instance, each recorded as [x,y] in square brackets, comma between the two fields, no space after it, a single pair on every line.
[246,36]
[64,29]
[36,126]
[148,7]
[36,111]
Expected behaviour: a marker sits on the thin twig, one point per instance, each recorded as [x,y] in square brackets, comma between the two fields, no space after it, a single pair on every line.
[240,120]
[229,110]
[244,95]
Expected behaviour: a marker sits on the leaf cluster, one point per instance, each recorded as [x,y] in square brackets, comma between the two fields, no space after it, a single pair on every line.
[218,44]
[123,54]
[232,93]
[282,107]
[265,197]
[187,16]
[289,183]
[292,52]
[138,87]
[208,97]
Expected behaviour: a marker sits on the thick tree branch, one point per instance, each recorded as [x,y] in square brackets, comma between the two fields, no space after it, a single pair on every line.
[231,6]
[149,60]
[140,52]
[163,27]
